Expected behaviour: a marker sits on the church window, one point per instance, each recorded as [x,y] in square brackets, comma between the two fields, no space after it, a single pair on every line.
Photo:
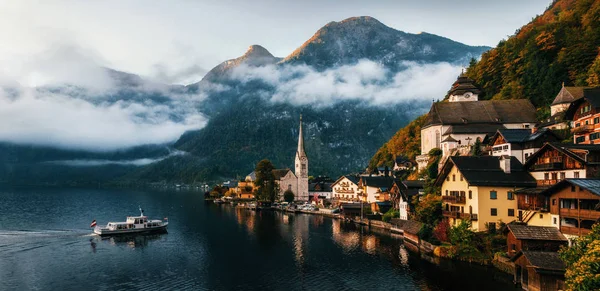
[437,138]
[290,187]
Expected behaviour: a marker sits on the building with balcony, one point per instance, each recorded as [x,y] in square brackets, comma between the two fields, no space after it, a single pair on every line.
[585,115]
[520,143]
[575,205]
[345,189]
[555,162]
[561,103]
[464,119]
[481,189]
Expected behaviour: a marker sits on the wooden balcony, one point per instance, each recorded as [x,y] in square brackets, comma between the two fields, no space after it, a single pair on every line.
[459,215]
[580,213]
[548,166]
[584,128]
[454,199]
[451,214]
[547,182]
[574,230]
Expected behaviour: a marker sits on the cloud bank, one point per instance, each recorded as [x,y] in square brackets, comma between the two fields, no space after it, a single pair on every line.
[367,81]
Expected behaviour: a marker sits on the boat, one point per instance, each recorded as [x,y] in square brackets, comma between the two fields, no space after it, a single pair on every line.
[133,225]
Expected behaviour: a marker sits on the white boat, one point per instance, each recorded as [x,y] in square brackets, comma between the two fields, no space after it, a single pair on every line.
[134,224]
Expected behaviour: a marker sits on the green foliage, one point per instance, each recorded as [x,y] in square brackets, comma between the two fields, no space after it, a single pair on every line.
[429,210]
[582,260]
[559,46]
[461,234]
[288,196]
[476,150]
[265,181]
[392,213]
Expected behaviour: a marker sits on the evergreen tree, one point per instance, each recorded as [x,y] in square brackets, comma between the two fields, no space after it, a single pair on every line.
[265,181]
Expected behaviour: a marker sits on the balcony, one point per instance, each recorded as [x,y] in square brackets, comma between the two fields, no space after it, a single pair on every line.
[454,199]
[580,213]
[467,216]
[459,215]
[584,128]
[451,214]
[574,230]
[548,166]
[547,182]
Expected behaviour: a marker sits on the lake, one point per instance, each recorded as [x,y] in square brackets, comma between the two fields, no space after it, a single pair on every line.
[46,244]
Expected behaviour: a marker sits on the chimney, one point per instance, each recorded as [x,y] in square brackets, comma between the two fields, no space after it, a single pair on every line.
[505,164]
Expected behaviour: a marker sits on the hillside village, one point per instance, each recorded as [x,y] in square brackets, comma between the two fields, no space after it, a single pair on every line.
[491,162]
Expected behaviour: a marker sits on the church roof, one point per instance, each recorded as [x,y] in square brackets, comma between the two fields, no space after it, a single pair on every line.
[300,151]
[568,95]
[462,85]
[473,128]
[280,173]
[449,138]
[488,112]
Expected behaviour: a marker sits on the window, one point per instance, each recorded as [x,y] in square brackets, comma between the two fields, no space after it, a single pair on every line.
[493,195]
[470,194]
[546,176]
[446,192]
[510,195]
[494,212]
[290,187]
[511,212]
[505,147]
[596,120]
[580,139]
[594,135]
[562,176]
[553,201]
[453,177]
[576,174]
[572,188]
[554,220]
[587,122]
[448,178]
[461,177]
[577,124]
[541,216]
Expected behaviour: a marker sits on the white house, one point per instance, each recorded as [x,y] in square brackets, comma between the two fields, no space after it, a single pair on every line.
[345,188]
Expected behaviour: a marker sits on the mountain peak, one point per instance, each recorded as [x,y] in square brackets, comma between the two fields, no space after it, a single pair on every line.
[257,51]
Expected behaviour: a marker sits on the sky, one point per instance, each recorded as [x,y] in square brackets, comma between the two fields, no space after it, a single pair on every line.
[178,41]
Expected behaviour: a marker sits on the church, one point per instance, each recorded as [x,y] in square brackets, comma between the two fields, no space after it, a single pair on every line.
[454,125]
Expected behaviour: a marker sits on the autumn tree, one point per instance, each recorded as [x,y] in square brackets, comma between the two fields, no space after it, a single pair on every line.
[582,260]
[429,210]
[288,196]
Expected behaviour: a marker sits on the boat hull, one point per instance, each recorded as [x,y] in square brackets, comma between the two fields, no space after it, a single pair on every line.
[107,232]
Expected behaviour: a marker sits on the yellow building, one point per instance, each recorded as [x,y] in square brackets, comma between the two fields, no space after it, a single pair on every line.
[481,189]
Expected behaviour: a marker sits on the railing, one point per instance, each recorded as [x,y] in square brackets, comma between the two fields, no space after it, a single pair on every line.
[547,182]
[459,215]
[549,166]
[454,199]
[452,214]
[574,230]
[580,213]
[584,128]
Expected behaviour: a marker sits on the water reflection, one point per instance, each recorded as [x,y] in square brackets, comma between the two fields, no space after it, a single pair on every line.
[130,241]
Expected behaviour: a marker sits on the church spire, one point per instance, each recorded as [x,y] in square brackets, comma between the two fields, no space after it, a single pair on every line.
[300,150]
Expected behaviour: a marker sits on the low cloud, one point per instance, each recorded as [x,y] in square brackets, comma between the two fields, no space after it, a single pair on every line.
[96,163]
[367,81]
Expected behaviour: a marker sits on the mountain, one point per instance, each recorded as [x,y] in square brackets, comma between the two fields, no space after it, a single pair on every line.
[561,45]
[246,125]
[253,106]
[356,38]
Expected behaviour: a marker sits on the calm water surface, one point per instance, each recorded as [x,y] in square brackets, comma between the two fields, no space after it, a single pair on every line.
[46,244]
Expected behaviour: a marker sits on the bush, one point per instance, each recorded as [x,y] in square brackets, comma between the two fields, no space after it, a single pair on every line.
[390,214]
[288,196]
[441,230]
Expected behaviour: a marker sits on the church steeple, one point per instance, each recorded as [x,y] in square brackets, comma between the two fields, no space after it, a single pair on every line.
[300,151]
[301,168]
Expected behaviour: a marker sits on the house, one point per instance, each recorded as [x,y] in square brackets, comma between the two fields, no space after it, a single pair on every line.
[410,229]
[539,271]
[375,188]
[245,188]
[381,207]
[533,208]
[481,189]
[320,190]
[345,188]
[462,120]
[533,238]
[405,194]
[561,103]
[585,114]
[402,163]
[574,205]
[558,161]
[286,180]
[520,143]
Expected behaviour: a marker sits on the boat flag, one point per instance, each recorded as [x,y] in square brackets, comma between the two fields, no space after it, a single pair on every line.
[93,223]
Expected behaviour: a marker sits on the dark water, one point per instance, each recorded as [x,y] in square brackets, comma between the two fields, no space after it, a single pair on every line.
[46,244]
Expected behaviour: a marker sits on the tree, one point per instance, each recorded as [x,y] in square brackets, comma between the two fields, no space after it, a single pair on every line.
[582,260]
[429,210]
[288,196]
[265,181]
[476,150]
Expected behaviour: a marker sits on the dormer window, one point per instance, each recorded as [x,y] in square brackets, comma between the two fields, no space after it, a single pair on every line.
[464,120]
